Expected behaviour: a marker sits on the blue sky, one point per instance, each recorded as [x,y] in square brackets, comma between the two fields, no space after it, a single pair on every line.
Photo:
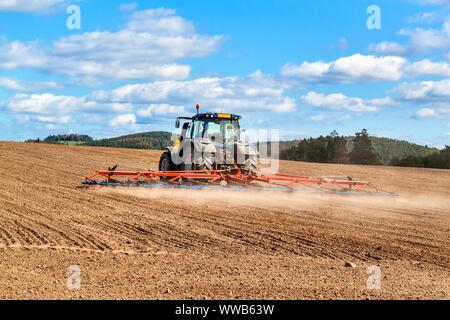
[305,68]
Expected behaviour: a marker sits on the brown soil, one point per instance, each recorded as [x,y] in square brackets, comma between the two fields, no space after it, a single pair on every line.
[166,244]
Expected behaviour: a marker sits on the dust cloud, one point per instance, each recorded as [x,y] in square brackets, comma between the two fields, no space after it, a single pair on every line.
[297,200]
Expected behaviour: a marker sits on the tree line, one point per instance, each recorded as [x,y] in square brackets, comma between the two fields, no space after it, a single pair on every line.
[359,149]
[61,138]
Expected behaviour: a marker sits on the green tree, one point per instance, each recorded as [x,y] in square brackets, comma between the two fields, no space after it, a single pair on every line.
[363,152]
[336,148]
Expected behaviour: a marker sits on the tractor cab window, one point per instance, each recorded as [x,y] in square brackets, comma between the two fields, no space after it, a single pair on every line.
[185,130]
[216,130]
[197,129]
[231,131]
[222,131]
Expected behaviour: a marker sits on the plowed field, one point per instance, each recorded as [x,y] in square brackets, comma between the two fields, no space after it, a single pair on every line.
[166,244]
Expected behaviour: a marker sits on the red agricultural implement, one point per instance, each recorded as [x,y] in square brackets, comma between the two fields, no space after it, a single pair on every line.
[231,180]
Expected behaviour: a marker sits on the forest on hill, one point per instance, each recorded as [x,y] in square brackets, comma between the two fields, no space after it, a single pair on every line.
[149,140]
[364,149]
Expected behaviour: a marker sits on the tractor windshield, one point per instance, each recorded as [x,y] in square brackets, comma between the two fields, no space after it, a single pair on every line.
[217,130]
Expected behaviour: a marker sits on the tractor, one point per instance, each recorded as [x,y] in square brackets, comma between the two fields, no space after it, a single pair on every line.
[209,141]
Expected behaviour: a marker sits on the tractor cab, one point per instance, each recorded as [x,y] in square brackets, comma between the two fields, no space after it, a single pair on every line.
[215,128]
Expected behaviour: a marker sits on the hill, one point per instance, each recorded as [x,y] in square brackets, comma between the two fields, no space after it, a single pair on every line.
[364,149]
[386,149]
[148,140]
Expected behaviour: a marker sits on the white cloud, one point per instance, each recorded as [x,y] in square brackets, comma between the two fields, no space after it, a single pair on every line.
[17,85]
[388,47]
[123,120]
[426,112]
[338,101]
[16,54]
[330,118]
[434,96]
[437,112]
[428,91]
[253,93]
[147,48]
[355,68]
[49,119]
[160,21]
[360,68]
[53,105]
[427,67]
[42,104]
[160,110]
[420,41]
[28,5]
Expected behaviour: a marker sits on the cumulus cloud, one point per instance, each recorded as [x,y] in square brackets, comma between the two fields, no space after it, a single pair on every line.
[361,68]
[428,91]
[434,96]
[147,48]
[50,104]
[256,92]
[339,101]
[427,67]
[161,110]
[355,68]
[436,112]
[123,120]
[28,5]
[388,48]
[20,86]
[420,41]
[50,119]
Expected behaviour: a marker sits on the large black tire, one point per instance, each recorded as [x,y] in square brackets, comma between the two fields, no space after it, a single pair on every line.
[165,163]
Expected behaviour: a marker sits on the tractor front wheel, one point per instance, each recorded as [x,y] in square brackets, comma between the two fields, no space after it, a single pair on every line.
[165,163]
